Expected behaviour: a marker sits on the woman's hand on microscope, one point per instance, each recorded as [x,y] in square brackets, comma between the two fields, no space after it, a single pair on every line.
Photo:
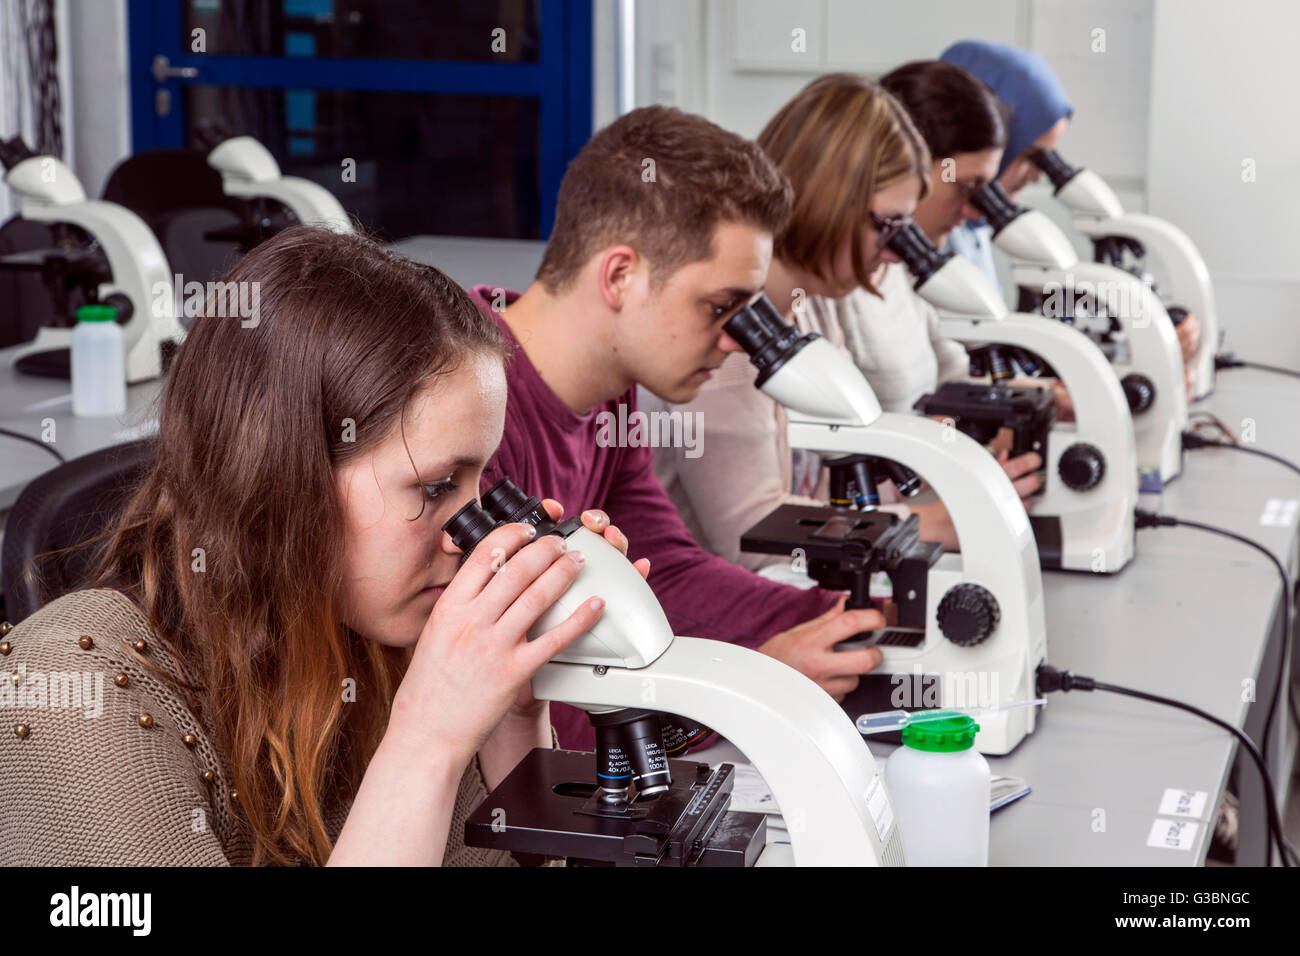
[1023,470]
[472,660]
[595,520]
[1064,403]
[810,648]
[1189,337]
[526,724]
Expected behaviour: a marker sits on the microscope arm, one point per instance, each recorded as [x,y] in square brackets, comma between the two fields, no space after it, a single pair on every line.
[1188,278]
[49,192]
[988,515]
[311,203]
[249,171]
[1098,213]
[1155,352]
[806,748]
[1079,363]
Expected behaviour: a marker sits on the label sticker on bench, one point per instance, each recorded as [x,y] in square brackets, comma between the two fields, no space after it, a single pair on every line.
[1279,512]
[1173,834]
[1183,803]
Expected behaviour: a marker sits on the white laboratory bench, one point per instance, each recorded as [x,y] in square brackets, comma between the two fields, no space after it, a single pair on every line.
[1192,617]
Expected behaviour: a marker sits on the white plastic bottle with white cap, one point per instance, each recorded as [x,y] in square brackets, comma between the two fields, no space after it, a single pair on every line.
[98,363]
[939,785]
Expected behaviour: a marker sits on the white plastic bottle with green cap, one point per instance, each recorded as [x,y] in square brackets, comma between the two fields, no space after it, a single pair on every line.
[98,363]
[939,786]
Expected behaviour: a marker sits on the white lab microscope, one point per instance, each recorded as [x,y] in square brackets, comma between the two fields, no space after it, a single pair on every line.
[980,612]
[249,171]
[628,671]
[1051,278]
[1084,518]
[1100,216]
[138,281]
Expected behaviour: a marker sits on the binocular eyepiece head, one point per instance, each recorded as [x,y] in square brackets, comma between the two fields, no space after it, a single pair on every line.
[503,503]
[768,338]
[921,256]
[1054,166]
[998,207]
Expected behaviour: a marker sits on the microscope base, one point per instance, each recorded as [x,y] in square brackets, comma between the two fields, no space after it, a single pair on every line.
[143,361]
[1054,554]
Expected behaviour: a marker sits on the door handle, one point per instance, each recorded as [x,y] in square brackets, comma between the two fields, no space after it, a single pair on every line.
[164,71]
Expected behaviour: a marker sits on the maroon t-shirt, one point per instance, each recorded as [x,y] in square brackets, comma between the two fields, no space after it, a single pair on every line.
[550,451]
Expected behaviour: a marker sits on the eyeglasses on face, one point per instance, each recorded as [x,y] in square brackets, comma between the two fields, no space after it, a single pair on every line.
[888,227]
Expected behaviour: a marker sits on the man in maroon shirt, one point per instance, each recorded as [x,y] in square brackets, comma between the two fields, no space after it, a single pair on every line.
[663,230]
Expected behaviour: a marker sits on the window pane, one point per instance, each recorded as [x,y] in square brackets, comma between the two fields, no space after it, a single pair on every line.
[425,163]
[366,29]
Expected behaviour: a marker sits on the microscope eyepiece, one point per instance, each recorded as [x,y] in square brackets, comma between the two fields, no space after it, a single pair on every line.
[506,502]
[921,256]
[468,526]
[503,503]
[1057,169]
[998,208]
[766,336]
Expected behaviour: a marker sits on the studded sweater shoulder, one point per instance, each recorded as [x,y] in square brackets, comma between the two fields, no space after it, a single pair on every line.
[103,764]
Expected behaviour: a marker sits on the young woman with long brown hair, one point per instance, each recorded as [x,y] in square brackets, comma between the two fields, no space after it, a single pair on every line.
[297,669]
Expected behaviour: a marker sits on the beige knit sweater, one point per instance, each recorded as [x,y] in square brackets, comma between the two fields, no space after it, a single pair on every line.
[84,782]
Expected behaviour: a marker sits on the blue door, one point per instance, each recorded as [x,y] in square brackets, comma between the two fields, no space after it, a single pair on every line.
[454,117]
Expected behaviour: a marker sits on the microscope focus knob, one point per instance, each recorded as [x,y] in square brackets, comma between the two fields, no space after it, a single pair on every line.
[1082,466]
[1140,392]
[968,614]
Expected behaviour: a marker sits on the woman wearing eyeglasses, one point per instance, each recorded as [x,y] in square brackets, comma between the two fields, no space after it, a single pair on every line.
[859,168]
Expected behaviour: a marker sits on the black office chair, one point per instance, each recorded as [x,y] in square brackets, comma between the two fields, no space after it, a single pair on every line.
[180,197]
[64,507]
[203,232]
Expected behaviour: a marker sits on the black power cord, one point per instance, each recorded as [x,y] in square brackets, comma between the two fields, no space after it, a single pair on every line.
[1147,519]
[1192,441]
[1051,679]
[1229,360]
[39,444]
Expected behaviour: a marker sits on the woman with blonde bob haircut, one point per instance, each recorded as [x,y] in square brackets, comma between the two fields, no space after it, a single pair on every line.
[858,167]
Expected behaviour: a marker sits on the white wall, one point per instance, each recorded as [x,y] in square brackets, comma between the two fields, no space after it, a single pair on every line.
[1223,93]
[1183,92]
[738,61]
[101,115]
[733,61]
